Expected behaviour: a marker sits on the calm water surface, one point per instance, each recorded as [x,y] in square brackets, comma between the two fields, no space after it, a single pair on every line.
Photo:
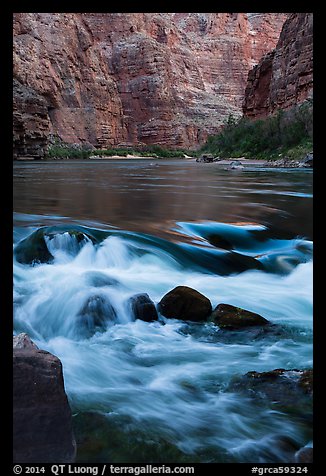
[152,196]
[163,391]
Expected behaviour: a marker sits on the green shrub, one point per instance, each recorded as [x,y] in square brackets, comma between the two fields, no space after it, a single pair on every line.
[61,150]
[264,138]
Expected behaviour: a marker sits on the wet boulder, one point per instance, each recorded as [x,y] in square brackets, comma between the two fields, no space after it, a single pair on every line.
[33,249]
[42,419]
[228,316]
[94,316]
[23,341]
[286,387]
[185,303]
[143,307]
[306,381]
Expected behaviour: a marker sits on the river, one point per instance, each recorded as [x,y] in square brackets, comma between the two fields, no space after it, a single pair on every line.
[164,391]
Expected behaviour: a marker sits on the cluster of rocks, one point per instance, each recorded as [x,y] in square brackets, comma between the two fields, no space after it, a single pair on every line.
[42,416]
[42,419]
[207,158]
[290,387]
[306,162]
[187,304]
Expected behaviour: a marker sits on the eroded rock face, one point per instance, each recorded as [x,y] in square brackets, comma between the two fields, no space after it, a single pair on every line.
[284,77]
[133,78]
[42,420]
[31,124]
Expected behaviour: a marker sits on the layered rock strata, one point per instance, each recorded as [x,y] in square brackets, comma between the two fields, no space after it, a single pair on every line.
[284,77]
[42,420]
[134,78]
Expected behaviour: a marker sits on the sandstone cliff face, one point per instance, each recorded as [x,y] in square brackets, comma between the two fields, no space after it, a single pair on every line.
[284,77]
[139,78]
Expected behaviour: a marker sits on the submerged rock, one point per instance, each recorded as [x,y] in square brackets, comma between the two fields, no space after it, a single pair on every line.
[143,307]
[115,438]
[280,390]
[95,315]
[99,280]
[42,420]
[185,303]
[278,385]
[226,315]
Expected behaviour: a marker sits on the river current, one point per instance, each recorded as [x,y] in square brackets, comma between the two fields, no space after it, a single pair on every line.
[164,391]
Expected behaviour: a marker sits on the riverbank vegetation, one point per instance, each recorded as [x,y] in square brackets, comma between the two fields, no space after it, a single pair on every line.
[286,134]
[61,150]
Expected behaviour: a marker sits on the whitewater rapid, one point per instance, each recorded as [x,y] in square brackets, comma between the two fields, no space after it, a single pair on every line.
[169,377]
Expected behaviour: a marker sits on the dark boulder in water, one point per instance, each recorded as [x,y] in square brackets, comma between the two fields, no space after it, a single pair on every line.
[185,303]
[33,249]
[143,307]
[279,385]
[96,313]
[42,419]
[226,315]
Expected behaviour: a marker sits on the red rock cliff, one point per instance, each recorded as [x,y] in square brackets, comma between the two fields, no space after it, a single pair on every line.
[284,77]
[153,78]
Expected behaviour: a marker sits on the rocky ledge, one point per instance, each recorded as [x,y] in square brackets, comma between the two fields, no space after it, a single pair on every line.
[306,162]
[42,420]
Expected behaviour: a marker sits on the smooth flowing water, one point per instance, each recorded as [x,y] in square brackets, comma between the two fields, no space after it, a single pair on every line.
[164,391]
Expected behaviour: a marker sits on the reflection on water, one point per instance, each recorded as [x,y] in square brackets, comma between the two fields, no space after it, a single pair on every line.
[150,196]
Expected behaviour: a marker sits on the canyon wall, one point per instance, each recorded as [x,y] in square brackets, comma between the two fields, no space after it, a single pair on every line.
[111,79]
[284,77]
